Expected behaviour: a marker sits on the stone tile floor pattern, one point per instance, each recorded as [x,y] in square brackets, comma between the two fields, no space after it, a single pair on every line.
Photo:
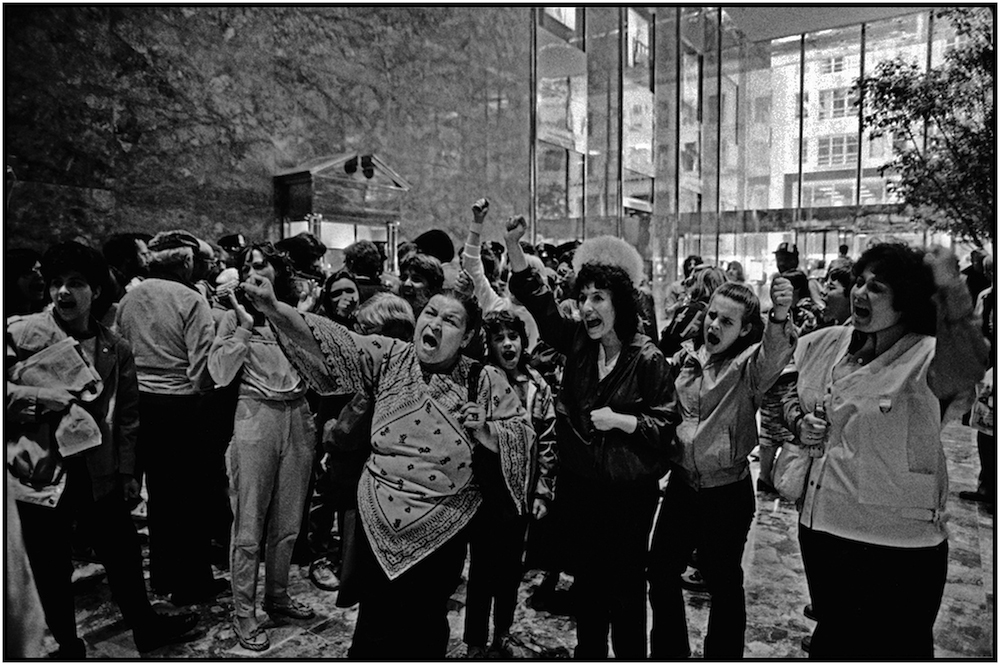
[775,590]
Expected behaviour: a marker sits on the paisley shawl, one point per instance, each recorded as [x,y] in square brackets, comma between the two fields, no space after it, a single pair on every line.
[418,489]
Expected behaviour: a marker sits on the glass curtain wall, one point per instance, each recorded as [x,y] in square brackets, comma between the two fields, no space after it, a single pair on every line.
[663,126]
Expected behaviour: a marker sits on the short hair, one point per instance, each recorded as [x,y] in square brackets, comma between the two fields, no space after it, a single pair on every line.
[705,282]
[843,249]
[68,256]
[911,281]
[841,275]
[743,295]
[473,313]
[343,273]
[72,256]
[167,259]
[19,261]
[364,258]
[121,251]
[496,321]
[282,270]
[624,296]
[427,267]
[385,314]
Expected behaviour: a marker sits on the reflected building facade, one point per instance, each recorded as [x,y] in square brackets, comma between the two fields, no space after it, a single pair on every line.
[665,126]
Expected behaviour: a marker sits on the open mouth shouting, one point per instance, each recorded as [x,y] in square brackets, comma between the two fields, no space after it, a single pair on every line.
[430,341]
[862,310]
[508,354]
[712,339]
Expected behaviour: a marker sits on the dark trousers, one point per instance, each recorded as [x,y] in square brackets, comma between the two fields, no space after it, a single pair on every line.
[715,521]
[496,546]
[108,523]
[872,602]
[406,618]
[987,446]
[217,413]
[607,529]
[179,487]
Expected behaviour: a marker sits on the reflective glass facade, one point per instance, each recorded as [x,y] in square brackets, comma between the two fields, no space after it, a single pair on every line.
[663,125]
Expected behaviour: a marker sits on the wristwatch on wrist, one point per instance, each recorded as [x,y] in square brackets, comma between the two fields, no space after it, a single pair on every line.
[773,319]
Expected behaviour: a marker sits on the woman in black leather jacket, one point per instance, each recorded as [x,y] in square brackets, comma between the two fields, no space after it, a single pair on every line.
[611,426]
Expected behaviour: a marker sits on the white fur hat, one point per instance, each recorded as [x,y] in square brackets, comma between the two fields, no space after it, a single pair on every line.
[612,251]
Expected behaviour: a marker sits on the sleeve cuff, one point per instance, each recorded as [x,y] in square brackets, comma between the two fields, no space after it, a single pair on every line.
[473,251]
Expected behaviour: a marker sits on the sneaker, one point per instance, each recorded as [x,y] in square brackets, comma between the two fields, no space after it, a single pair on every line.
[692,580]
[255,640]
[321,574]
[289,608]
[807,643]
[808,611]
[163,629]
[214,589]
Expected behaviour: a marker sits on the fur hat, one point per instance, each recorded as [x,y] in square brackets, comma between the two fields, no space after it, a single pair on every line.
[609,250]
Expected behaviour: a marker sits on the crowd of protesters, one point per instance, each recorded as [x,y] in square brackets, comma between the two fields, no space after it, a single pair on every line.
[506,403]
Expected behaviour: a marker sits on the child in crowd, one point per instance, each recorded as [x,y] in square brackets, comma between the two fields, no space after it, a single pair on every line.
[709,501]
[498,531]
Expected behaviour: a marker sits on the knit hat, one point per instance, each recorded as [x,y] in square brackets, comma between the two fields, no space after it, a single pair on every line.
[173,240]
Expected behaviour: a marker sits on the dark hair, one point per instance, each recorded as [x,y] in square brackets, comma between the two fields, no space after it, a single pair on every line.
[473,313]
[72,256]
[843,249]
[328,307]
[689,263]
[743,295]
[19,261]
[624,297]
[495,322]
[800,283]
[428,267]
[121,252]
[364,258]
[282,270]
[911,281]
[489,260]
[841,274]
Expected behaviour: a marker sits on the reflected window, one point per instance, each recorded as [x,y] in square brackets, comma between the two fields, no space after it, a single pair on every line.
[837,150]
[832,64]
[835,103]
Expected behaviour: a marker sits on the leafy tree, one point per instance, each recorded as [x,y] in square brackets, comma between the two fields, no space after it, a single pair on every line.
[942,122]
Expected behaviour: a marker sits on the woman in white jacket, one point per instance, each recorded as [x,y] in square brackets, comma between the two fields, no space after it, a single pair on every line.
[872,532]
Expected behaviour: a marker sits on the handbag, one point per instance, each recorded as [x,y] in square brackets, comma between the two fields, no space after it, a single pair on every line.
[791,472]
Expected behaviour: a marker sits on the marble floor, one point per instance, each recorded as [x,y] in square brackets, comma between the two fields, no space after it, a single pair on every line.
[775,589]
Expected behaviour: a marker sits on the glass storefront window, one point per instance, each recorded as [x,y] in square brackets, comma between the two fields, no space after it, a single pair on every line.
[562,93]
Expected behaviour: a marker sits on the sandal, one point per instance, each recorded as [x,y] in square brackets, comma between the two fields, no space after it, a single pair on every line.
[256,641]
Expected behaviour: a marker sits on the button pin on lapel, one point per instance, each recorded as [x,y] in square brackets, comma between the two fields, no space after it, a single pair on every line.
[885,405]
